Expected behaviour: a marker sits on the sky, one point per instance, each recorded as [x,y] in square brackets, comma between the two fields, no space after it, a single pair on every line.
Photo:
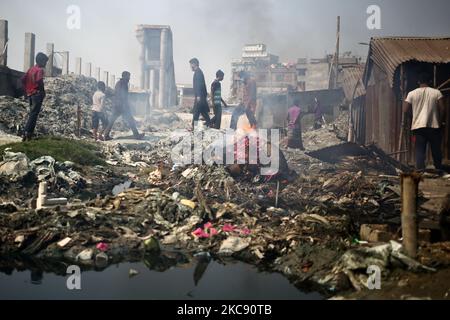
[214,31]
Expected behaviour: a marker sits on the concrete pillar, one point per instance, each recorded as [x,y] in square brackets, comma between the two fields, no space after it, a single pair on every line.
[3,42]
[163,69]
[30,44]
[147,80]
[65,62]
[143,63]
[88,70]
[112,81]
[152,87]
[97,74]
[105,77]
[50,54]
[171,84]
[78,62]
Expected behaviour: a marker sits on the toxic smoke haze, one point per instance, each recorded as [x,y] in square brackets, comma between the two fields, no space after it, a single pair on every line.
[213,30]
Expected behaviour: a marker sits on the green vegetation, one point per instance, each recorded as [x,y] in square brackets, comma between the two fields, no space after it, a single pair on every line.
[62,149]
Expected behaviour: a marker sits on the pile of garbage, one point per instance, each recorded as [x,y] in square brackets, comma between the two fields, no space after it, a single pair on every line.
[356,262]
[17,169]
[340,125]
[163,120]
[13,114]
[136,221]
[68,100]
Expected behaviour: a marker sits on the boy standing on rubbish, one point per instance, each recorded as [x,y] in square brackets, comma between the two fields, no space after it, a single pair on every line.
[33,84]
[98,111]
[216,97]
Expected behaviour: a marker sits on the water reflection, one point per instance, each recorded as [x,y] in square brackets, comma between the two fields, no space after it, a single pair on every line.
[171,275]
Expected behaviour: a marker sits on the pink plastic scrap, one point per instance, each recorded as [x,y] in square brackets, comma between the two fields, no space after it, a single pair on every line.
[102,246]
[230,228]
[207,225]
[207,231]
[199,233]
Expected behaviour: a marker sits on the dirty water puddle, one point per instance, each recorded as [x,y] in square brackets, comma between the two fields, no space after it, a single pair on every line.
[136,281]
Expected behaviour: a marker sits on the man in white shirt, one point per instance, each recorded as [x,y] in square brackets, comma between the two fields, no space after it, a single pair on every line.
[98,112]
[428,119]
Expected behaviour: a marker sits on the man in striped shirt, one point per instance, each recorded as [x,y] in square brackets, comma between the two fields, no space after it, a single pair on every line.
[216,97]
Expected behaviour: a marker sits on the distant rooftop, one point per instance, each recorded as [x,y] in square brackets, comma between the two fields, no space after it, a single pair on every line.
[151,26]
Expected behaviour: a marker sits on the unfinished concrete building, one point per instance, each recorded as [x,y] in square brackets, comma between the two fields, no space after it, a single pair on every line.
[318,74]
[157,67]
[270,75]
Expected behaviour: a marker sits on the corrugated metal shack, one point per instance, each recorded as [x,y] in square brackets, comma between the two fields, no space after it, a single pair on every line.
[350,79]
[391,71]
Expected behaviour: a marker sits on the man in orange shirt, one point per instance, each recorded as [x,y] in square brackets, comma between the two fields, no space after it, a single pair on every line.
[33,84]
[248,105]
[249,97]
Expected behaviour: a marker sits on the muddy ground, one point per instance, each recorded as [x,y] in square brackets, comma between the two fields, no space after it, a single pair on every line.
[168,214]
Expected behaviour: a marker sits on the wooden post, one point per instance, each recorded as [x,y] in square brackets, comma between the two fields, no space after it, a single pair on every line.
[403,117]
[338,38]
[277,194]
[79,120]
[409,191]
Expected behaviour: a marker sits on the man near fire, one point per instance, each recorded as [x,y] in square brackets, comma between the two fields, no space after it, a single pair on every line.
[249,97]
[216,97]
[121,107]
[295,140]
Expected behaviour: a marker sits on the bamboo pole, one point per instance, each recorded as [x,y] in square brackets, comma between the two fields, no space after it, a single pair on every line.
[338,38]
[277,194]
[79,120]
[409,191]
[443,84]
[402,126]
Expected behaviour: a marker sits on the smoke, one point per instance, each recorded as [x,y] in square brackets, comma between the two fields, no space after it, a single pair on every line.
[220,29]
[249,21]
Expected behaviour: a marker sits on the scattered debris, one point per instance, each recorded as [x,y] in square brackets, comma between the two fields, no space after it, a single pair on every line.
[64,242]
[85,255]
[15,166]
[132,273]
[232,245]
